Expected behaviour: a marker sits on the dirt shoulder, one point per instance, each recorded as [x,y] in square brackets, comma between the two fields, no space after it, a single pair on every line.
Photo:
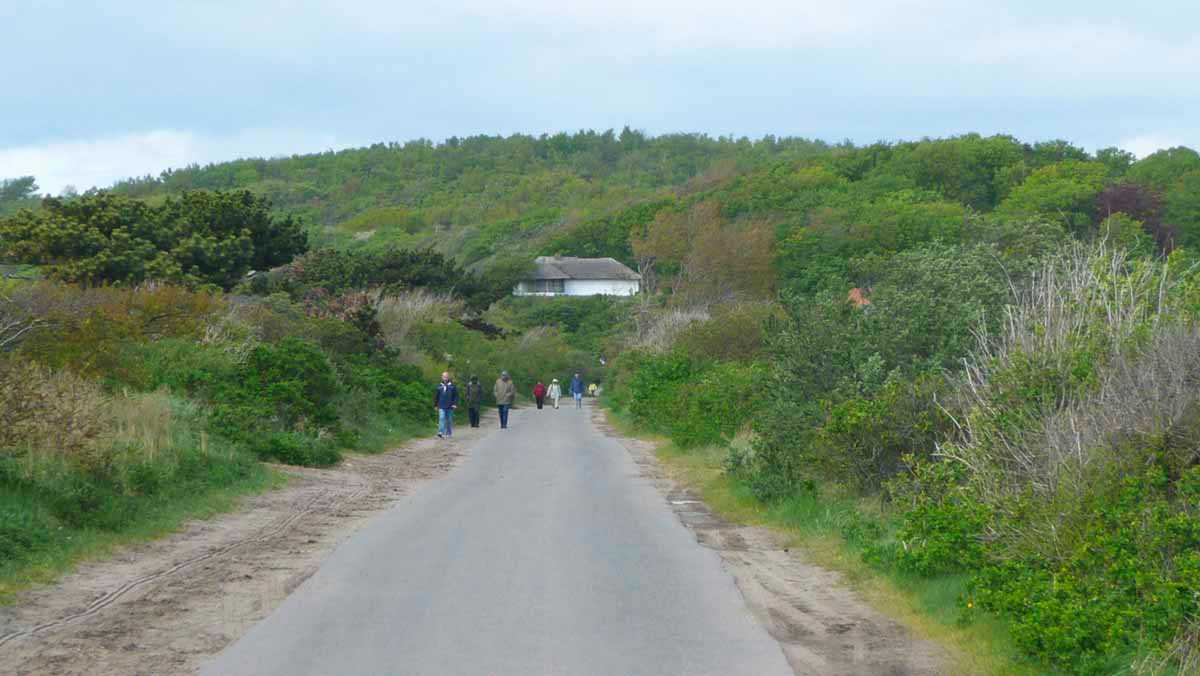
[167,605]
[823,626]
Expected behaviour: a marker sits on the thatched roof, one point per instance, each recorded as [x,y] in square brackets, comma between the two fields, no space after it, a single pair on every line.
[567,267]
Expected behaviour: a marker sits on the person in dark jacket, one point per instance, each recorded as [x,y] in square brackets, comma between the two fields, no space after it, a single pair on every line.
[539,394]
[474,400]
[577,388]
[445,400]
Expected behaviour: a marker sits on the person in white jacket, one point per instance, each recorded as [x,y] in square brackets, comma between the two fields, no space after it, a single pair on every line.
[554,392]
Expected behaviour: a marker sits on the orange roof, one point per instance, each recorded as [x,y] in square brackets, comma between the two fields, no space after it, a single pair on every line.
[858,297]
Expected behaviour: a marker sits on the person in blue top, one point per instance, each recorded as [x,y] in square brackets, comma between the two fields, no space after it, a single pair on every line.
[577,389]
[445,400]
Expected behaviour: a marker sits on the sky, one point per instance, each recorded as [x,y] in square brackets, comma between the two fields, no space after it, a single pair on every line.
[98,91]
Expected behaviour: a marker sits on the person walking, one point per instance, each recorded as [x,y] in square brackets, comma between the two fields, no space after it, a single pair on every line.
[445,400]
[505,393]
[474,400]
[554,392]
[577,388]
[539,394]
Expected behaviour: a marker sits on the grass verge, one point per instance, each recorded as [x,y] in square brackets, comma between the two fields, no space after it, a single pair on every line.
[70,546]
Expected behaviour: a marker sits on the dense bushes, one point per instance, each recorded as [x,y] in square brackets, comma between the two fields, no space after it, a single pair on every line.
[694,403]
[199,238]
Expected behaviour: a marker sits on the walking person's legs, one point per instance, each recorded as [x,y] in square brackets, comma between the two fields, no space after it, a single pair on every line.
[540,401]
[556,403]
[578,400]
[442,422]
[473,415]
[503,408]
[449,422]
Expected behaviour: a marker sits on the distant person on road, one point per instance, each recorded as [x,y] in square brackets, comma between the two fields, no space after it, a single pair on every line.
[474,400]
[555,392]
[539,394]
[505,393]
[577,389]
[445,400]
[593,389]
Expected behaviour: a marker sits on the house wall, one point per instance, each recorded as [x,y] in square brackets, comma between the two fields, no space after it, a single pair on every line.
[601,287]
[585,287]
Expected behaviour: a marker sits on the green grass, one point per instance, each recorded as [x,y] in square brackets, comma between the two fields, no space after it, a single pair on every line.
[380,433]
[814,524]
[155,518]
[54,546]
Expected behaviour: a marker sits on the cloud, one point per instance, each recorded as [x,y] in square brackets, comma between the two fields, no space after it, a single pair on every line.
[1107,51]
[101,162]
[1146,144]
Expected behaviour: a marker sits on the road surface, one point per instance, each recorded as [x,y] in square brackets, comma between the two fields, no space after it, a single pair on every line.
[545,552]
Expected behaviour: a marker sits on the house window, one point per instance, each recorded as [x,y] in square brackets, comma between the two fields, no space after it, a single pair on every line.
[548,286]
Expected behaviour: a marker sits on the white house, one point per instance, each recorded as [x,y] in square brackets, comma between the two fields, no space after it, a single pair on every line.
[567,276]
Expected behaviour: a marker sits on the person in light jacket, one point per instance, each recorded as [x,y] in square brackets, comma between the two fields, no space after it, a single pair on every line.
[555,392]
[505,392]
[445,400]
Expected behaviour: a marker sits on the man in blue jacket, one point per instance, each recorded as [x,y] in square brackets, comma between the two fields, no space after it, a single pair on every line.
[445,400]
[577,390]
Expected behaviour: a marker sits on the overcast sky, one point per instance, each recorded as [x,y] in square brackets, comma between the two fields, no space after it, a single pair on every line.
[91,92]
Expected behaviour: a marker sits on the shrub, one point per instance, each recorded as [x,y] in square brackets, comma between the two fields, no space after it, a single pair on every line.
[294,448]
[1127,581]
[713,407]
[943,523]
[287,386]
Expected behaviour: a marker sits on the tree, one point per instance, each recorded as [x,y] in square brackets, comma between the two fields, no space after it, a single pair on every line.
[1160,169]
[16,193]
[1182,208]
[18,189]
[1118,161]
[1064,193]
[1141,204]
[200,238]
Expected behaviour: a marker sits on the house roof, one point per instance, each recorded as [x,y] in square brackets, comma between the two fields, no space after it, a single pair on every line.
[567,267]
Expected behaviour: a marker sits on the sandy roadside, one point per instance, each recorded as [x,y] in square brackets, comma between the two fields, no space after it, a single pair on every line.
[165,606]
[822,625]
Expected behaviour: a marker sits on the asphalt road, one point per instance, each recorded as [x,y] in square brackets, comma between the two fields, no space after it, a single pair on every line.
[545,552]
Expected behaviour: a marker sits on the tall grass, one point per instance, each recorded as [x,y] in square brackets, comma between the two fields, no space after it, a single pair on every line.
[399,313]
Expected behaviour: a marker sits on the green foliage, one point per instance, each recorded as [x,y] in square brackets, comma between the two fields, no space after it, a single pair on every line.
[942,523]
[540,354]
[1182,209]
[17,193]
[199,238]
[606,236]
[1064,193]
[695,403]
[393,269]
[712,408]
[1162,168]
[45,501]
[1127,581]
[733,333]
[480,197]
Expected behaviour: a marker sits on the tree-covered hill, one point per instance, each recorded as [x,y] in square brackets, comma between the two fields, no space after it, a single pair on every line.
[480,196]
